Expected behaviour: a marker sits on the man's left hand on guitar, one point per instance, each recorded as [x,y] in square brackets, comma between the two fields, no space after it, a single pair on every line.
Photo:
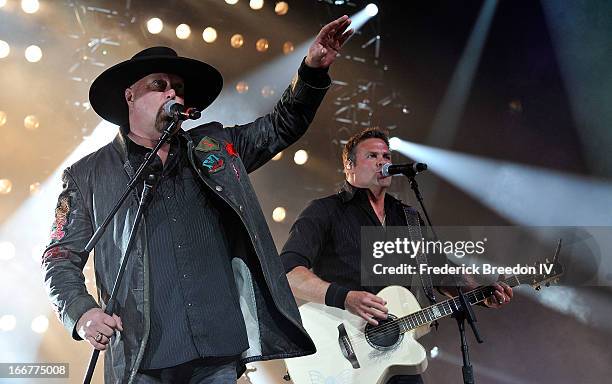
[502,295]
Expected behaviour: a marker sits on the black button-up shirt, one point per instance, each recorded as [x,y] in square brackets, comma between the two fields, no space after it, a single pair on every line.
[195,309]
[326,236]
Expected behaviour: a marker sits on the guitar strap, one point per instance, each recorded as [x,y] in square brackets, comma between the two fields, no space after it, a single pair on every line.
[414,231]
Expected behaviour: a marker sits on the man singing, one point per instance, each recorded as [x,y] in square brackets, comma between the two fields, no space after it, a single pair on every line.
[322,255]
[204,291]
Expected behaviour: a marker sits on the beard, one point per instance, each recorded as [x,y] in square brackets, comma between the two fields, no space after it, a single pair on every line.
[161,120]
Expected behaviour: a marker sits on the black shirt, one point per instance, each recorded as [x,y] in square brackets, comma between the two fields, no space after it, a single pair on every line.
[326,235]
[194,303]
[326,238]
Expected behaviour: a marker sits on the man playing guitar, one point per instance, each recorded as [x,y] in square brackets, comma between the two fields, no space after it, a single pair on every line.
[322,254]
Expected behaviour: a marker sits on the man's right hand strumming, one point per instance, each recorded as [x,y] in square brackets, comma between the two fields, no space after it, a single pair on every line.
[366,305]
[97,327]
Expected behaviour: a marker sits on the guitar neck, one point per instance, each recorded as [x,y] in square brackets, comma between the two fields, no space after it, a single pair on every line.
[448,307]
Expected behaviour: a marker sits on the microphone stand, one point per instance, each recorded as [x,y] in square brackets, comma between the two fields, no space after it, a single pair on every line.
[415,187]
[466,313]
[461,314]
[149,184]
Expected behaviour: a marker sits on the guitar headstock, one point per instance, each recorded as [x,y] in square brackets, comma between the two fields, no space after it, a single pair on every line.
[549,271]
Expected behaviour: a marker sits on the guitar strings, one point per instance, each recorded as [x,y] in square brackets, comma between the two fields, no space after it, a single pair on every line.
[391,326]
[471,293]
[394,326]
[386,329]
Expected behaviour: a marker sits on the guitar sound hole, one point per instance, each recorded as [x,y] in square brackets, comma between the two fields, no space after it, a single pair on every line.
[385,335]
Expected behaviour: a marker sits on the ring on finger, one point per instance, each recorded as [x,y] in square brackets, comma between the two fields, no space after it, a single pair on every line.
[98,337]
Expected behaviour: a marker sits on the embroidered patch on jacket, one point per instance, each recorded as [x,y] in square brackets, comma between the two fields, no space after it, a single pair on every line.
[54,253]
[236,171]
[214,163]
[229,148]
[61,218]
[207,144]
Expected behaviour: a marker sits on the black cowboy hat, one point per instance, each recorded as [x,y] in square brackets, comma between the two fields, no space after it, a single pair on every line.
[203,83]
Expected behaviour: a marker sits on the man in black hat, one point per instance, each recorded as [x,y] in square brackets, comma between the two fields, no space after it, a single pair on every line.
[204,291]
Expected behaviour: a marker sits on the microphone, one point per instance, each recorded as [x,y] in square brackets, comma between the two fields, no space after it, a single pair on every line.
[410,169]
[175,110]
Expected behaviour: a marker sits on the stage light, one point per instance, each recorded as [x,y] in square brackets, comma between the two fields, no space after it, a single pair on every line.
[7,323]
[281,8]
[31,122]
[262,45]
[6,186]
[155,25]
[516,106]
[231,2]
[40,324]
[300,157]
[30,6]
[360,18]
[434,352]
[7,250]
[237,41]
[288,47]
[279,214]
[267,91]
[256,4]
[183,31]
[209,35]
[371,10]
[242,87]
[278,156]
[394,143]
[5,49]
[34,188]
[3,118]
[33,54]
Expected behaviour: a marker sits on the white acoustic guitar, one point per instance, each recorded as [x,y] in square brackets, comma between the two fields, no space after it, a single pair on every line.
[349,350]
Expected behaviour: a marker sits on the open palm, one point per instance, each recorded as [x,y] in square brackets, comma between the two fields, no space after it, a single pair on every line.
[328,42]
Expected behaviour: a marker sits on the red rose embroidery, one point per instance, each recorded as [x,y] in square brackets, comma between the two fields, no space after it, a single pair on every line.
[229,148]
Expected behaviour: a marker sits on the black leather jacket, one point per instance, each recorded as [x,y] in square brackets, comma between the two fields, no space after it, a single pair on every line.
[93,184]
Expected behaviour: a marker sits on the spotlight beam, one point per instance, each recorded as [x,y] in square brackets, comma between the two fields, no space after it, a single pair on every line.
[360,18]
[29,227]
[449,113]
[523,194]
[580,33]
[534,196]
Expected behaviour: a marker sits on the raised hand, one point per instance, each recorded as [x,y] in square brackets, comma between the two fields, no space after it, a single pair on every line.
[327,44]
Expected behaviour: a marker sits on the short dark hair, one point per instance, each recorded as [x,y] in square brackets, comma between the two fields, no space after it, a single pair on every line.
[348,153]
